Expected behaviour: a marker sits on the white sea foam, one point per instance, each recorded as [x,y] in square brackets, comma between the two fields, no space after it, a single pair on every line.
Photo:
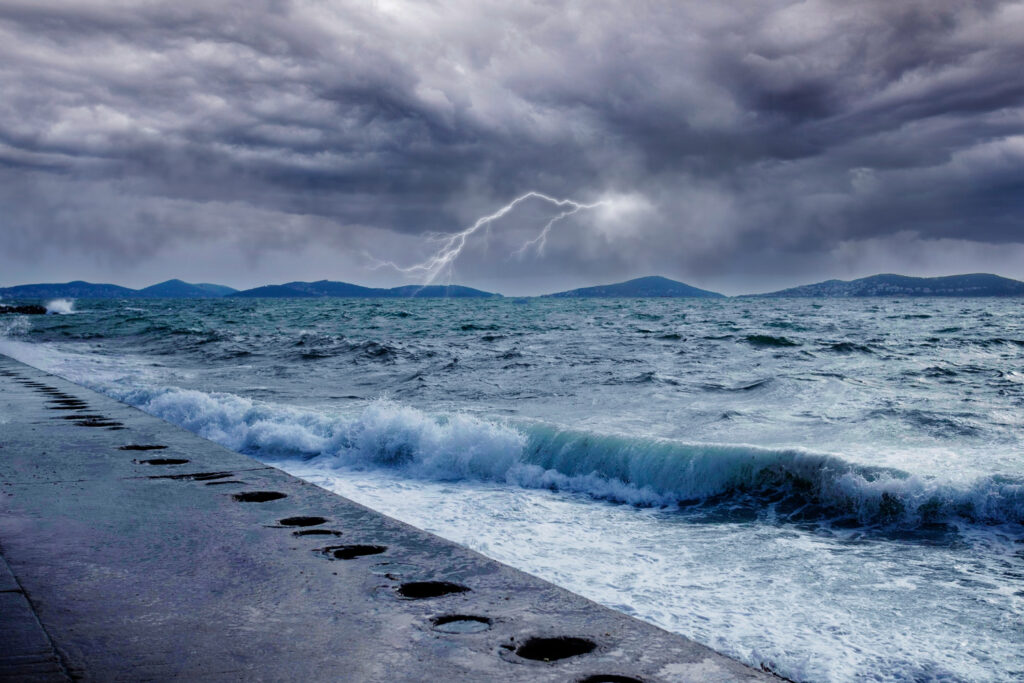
[14,326]
[626,469]
[60,306]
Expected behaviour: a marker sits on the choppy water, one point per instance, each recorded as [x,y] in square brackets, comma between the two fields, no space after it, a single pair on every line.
[833,488]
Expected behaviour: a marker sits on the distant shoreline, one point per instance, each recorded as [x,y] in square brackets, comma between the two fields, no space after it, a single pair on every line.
[974,285]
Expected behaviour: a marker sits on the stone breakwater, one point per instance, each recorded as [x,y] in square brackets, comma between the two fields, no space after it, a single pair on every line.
[134,549]
[31,309]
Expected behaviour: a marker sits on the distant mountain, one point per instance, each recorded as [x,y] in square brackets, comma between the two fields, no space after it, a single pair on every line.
[74,290]
[177,289]
[653,286]
[272,292]
[976,284]
[337,289]
[216,290]
[327,288]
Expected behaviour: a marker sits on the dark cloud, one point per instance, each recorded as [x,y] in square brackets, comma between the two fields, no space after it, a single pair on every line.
[747,145]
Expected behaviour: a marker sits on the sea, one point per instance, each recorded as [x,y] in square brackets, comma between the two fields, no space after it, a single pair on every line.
[829,489]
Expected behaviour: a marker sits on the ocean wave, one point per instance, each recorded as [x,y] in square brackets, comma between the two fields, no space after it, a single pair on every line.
[743,386]
[848,347]
[14,326]
[767,340]
[791,484]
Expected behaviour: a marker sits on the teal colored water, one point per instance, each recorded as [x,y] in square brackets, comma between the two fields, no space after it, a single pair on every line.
[831,488]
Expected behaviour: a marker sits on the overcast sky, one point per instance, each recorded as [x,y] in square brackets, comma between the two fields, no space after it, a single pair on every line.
[739,146]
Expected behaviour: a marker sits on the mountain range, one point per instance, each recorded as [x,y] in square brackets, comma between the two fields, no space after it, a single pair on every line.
[171,289]
[975,284]
[972,285]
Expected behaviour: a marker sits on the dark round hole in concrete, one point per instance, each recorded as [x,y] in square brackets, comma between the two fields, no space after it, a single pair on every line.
[163,461]
[351,552]
[97,423]
[316,532]
[218,483]
[301,521]
[609,678]
[141,447]
[417,590]
[461,623]
[550,649]
[258,496]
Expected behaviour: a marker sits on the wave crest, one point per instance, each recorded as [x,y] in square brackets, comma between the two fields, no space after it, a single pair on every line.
[793,484]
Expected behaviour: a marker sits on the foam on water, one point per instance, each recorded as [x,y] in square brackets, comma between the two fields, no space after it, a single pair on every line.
[613,467]
[809,606]
[60,306]
[13,325]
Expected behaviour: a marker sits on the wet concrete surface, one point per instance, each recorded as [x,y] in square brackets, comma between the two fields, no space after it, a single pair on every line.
[133,549]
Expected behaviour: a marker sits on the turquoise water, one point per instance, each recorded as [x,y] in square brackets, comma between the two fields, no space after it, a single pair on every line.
[833,489]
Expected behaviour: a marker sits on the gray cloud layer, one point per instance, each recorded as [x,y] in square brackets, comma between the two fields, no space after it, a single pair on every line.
[749,144]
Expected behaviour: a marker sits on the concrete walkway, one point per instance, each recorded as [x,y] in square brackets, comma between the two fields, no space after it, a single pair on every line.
[135,550]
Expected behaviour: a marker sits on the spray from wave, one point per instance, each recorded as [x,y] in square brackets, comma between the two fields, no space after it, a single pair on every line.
[14,326]
[791,484]
[60,307]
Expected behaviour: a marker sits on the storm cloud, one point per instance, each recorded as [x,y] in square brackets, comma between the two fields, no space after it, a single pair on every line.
[742,146]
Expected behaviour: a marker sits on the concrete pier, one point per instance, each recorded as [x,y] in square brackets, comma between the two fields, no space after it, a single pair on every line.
[134,550]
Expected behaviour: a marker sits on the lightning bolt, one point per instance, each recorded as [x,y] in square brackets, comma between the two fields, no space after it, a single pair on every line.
[453,244]
[541,240]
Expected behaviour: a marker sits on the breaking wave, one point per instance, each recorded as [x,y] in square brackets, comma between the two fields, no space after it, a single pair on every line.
[791,484]
[60,306]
